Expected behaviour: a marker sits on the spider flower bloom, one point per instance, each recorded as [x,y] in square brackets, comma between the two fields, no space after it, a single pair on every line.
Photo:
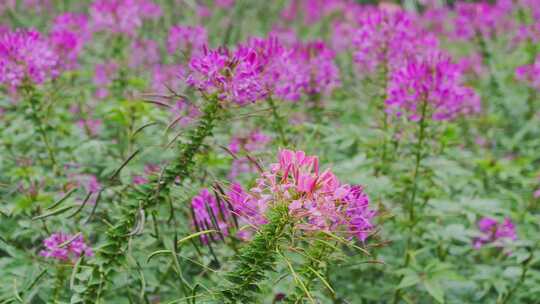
[189,40]
[68,35]
[316,200]
[65,247]
[26,55]
[210,214]
[430,86]
[493,232]
[530,74]
[483,19]
[386,39]
[122,16]
[233,77]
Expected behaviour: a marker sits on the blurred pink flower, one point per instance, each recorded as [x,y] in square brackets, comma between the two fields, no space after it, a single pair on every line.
[65,247]
[188,40]
[122,16]
[494,232]
[26,55]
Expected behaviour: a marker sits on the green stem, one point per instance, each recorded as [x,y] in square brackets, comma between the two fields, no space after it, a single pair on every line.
[34,101]
[524,270]
[412,220]
[256,258]
[149,195]
[278,122]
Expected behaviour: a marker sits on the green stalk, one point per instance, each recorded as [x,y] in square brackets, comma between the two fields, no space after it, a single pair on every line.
[412,220]
[33,99]
[278,122]
[256,259]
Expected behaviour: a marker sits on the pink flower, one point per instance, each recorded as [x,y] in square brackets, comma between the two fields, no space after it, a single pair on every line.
[210,214]
[167,77]
[144,53]
[317,201]
[530,74]
[65,247]
[387,39]
[225,3]
[122,16]
[482,19]
[536,193]
[494,232]
[90,126]
[68,36]
[433,82]
[189,40]
[253,142]
[25,55]
[103,76]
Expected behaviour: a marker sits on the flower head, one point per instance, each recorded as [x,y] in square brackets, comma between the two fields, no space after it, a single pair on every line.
[432,86]
[493,232]
[530,74]
[209,213]
[187,39]
[68,35]
[316,200]
[65,247]
[26,55]
[122,16]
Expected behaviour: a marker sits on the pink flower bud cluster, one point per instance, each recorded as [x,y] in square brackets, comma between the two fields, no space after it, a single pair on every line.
[494,232]
[65,247]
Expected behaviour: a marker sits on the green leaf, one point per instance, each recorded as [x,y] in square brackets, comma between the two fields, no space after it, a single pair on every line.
[434,288]
[409,280]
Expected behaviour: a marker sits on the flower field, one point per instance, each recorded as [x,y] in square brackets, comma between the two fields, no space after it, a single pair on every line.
[288,151]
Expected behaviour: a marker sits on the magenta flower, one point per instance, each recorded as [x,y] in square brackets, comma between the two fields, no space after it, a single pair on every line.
[386,39]
[190,40]
[165,77]
[484,19]
[122,16]
[103,76]
[432,84]
[316,200]
[232,77]
[25,55]
[92,127]
[493,232]
[530,74]
[144,53]
[68,36]
[225,3]
[536,193]
[65,247]
[210,214]
[253,142]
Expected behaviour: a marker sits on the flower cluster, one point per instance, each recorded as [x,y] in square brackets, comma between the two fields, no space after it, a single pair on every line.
[103,76]
[189,40]
[494,232]
[530,74]
[65,247]
[386,39]
[430,86]
[316,200]
[209,213]
[265,67]
[482,19]
[26,55]
[122,16]
[69,33]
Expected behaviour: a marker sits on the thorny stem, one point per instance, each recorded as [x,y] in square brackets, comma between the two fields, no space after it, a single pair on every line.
[256,258]
[278,122]
[141,199]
